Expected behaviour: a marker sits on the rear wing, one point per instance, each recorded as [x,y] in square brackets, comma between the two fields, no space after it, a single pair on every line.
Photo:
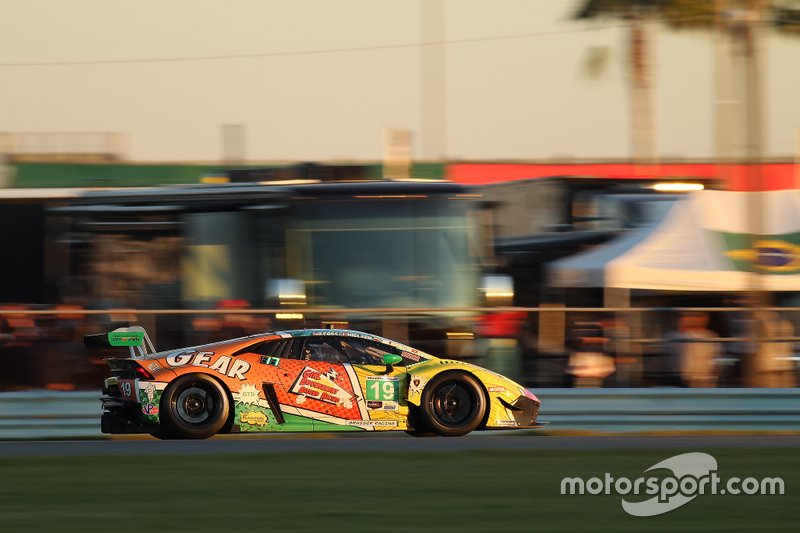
[134,337]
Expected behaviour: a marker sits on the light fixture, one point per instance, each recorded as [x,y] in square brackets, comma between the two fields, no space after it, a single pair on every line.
[677,187]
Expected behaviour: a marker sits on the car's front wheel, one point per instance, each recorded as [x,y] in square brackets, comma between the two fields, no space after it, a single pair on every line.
[453,404]
[194,406]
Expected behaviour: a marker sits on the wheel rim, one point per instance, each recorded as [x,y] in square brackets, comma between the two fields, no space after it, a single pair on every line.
[195,405]
[453,404]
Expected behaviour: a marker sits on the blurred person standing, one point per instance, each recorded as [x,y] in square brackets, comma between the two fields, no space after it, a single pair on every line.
[737,324]
[774,363]
[693,352]
[500,342]
[589,362]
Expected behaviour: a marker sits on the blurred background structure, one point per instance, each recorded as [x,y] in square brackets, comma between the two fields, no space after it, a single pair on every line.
[578,193]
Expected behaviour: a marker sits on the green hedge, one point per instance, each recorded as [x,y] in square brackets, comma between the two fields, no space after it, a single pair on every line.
[32,175]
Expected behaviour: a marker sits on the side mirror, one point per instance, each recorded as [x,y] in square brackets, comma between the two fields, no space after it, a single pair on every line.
[390,360]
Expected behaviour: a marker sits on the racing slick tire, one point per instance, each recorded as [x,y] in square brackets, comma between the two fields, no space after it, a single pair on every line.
[452,404]
[194,406]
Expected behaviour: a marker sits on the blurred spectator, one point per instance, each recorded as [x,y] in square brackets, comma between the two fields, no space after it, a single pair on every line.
[740,324]
[589,362]
[774,360]
[500,342]
[693,353]
[63,360]
[626,360]
[19,334]
[502,324]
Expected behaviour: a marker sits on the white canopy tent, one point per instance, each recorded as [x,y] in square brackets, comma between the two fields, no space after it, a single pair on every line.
[706,242]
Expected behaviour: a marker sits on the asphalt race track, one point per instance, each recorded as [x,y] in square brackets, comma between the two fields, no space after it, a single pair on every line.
[382,443]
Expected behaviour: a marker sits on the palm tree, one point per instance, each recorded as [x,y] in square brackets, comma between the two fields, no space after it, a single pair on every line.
[637,13]
[735,21]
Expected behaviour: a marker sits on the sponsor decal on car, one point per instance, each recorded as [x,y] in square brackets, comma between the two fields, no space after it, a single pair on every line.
[254,418]
[248,394]
[410,356]
[127,388]
[125,338]
[150,398]
[150,409]
[269,360]
[383,406]
[149,391]
[416,385]
[371,423]
[336,333]
[383,388]
[251,417]
[320,386]
[225,365]
[497,389]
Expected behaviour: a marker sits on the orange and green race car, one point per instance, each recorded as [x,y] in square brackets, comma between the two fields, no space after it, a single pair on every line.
[302,380]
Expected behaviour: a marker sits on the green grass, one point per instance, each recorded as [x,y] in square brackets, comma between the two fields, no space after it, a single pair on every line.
[465,491]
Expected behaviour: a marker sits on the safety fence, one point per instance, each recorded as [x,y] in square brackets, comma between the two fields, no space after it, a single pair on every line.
[542,347]
[71,415]
[49,415]
[668,409]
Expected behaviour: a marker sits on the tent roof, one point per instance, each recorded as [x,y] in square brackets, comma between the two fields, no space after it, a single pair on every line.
[708,241]
[587,269]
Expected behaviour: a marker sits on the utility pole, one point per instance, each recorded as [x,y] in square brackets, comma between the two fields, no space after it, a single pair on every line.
[641,111]
[433,81]
[234,140]
[743,21]
[727,103]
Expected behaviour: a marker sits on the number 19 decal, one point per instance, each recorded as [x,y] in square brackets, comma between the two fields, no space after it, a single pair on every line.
[383,389]
[127,389]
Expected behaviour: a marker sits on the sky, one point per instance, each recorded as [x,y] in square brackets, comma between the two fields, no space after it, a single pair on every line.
[324,80]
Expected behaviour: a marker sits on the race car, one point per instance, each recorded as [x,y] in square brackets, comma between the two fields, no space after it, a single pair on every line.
[302,380]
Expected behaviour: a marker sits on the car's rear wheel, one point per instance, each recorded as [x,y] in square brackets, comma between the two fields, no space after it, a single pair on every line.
[194,406]
[452,404]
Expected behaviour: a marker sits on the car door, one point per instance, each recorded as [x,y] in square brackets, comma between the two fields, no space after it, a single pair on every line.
[261,404]
[321,386]
[384,390]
